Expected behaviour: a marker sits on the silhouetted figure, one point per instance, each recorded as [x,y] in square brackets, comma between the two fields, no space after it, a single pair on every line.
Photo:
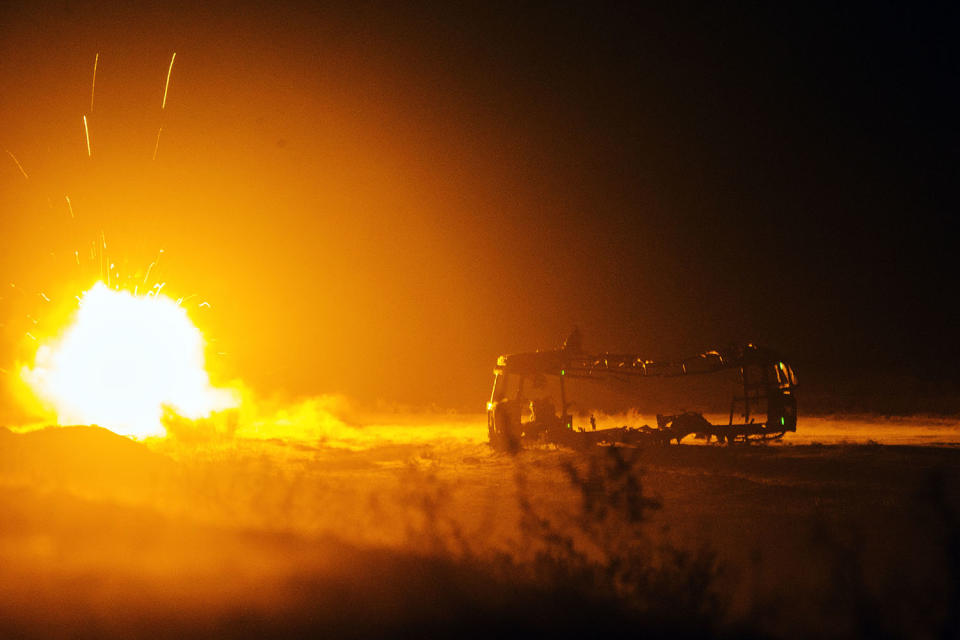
[574,341]
[593,422]
[506,425]
[544,411]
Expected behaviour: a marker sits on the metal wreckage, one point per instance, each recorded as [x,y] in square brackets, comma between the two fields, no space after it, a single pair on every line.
[764,401]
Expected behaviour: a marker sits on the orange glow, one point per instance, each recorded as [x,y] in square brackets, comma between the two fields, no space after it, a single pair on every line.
[123,359]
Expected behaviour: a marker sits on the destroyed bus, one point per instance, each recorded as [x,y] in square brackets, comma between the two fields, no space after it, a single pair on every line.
[532,400]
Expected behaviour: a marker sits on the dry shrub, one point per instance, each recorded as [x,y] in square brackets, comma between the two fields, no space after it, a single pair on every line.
[591,568]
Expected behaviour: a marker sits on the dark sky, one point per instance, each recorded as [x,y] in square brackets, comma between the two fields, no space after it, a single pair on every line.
[380,198]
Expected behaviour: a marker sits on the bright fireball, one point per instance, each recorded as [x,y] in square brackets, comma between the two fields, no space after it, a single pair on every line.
[122,360]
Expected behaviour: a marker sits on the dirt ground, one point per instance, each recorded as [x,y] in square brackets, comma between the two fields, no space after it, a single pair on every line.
[850,527]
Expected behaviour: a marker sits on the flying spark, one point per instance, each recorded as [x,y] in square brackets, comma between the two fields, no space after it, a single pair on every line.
[167,85]
[86,132]
[103,243]
[69,205]
[156,147]
[152,265]
[17,162]
[93,85]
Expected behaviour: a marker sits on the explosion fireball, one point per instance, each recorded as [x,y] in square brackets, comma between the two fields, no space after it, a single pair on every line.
[123,359]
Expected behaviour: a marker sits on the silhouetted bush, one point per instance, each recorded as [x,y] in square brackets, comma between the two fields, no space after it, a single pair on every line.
[591,569]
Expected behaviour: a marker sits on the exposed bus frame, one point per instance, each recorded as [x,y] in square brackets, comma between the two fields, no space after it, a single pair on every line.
[772,393]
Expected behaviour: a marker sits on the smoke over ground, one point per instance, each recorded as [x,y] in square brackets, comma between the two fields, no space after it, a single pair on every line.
[327,420]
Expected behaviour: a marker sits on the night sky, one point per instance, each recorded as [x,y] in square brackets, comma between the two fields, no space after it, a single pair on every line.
[378,199]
